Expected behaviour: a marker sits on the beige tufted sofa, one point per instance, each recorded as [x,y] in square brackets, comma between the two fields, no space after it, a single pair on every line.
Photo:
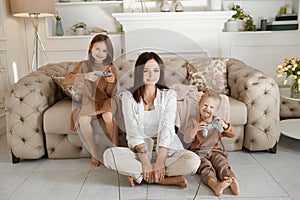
[37,113]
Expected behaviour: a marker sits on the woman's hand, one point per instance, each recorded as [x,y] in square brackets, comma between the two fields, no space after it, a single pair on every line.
[148,174]
[159,171]
[159,167]
[91,76]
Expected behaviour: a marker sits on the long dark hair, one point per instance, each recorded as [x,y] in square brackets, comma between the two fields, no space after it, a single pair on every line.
[138,88]
[110,52]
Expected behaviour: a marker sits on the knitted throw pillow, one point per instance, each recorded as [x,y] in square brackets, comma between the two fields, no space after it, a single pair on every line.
[209,74]
[73,91]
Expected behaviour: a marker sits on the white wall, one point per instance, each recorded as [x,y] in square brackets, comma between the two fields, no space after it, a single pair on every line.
[14,43]
[19,36]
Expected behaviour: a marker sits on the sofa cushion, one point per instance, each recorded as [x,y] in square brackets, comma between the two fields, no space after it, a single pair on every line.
[175,72]
[73,91]
[238,112]
[57,117]
[209,74]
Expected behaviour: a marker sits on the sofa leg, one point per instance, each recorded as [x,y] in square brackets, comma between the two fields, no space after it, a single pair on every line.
[274,148]
[14,158]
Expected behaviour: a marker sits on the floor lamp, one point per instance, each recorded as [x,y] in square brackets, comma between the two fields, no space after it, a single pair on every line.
[33,9]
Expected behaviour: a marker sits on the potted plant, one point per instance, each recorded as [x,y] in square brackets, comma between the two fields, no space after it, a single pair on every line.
[246,19]
[79,28]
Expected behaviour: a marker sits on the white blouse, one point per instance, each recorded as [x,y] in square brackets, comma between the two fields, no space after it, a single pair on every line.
[134,119]
[151,123]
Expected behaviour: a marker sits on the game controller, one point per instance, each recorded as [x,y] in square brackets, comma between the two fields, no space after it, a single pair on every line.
[215,125]
[102,73]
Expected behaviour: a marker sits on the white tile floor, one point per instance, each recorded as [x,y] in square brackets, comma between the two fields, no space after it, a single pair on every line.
[261,176]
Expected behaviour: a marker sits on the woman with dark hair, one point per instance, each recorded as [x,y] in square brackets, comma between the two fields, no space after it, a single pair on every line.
[99,76]
[149,110]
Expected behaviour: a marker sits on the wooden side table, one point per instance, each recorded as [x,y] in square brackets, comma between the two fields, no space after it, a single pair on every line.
[289,127]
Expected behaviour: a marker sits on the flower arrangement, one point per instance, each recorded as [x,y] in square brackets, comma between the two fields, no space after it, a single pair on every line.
[58,18]
[290,67]
[78,25]
[247,19]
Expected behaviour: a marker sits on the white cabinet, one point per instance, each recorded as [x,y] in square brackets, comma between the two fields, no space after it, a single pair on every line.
[263,50]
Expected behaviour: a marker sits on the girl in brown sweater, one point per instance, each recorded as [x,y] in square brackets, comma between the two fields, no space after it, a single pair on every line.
[98,89]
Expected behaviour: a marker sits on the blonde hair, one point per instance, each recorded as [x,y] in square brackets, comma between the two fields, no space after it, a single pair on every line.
[216,98]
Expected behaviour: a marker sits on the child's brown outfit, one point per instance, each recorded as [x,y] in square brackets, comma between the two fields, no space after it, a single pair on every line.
[214,163]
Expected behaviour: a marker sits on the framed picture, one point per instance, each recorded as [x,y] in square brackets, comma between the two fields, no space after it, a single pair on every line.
[2,34]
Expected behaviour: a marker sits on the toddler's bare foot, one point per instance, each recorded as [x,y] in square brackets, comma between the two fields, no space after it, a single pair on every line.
[131,181]
[95,162]
[221,186]
[234,186]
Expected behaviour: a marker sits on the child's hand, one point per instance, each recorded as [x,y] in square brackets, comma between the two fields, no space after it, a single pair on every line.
[91,76]
[201,126]
[222,123]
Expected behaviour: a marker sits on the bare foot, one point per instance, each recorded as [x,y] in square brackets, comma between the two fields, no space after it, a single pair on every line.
[131,181]
[174,180]
[95,162]
[219,187]
[234,186]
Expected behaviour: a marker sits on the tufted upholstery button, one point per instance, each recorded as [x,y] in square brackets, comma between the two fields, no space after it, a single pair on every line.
[21,119]
[266,112]
[23,140]
[80,148]
[36,130]
[21,99]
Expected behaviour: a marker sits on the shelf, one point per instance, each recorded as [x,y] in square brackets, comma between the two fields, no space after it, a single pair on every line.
[81,36]
[80,3]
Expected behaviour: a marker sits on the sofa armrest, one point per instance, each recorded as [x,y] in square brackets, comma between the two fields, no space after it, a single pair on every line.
[25,103]
[260,93]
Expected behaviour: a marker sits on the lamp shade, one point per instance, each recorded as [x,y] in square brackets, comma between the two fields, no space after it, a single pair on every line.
[25,8]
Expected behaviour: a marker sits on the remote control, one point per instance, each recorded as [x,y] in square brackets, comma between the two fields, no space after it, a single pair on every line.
[215,125]
[102,73]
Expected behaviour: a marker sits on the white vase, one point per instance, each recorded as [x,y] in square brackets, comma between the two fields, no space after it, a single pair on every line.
[179,7]
[241,24]
[79,31]
[165,7]
[215,4]
[232,25]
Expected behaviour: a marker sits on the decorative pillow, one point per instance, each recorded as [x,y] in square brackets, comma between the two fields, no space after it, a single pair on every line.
[73,91]
[208,74]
